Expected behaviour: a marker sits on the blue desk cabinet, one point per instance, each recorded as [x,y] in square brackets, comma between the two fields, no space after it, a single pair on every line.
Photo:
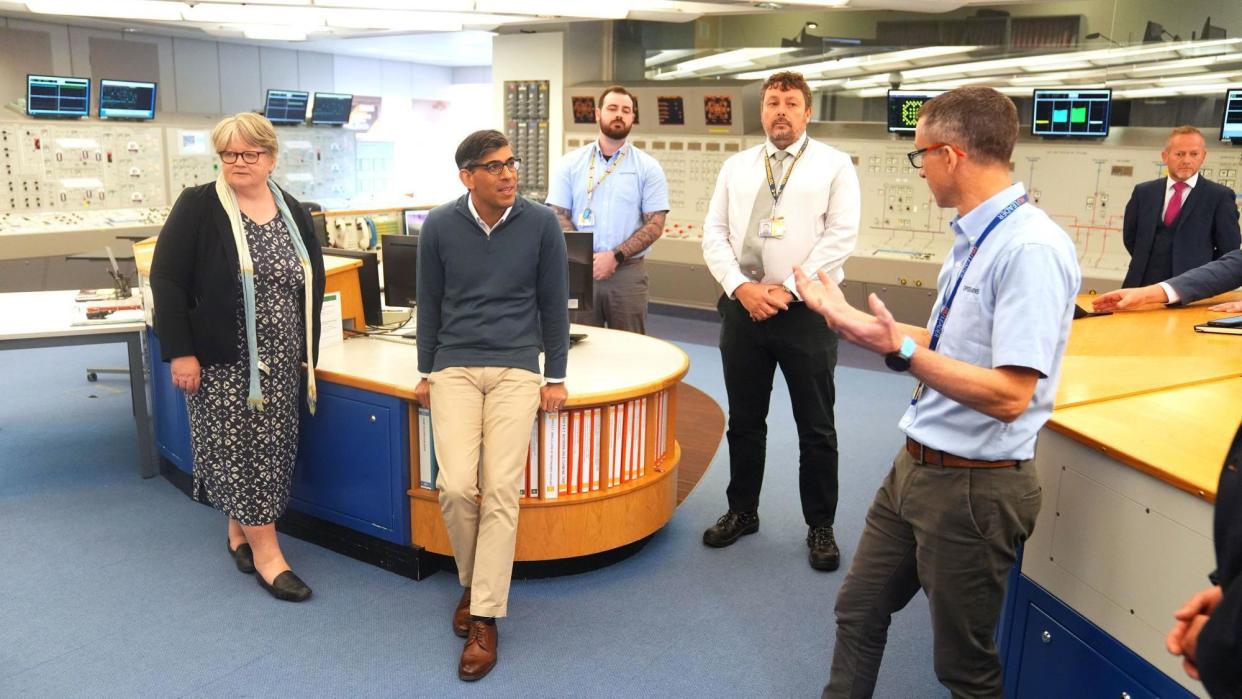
[353,454]
[353,463]
[172,420]
[1052,651]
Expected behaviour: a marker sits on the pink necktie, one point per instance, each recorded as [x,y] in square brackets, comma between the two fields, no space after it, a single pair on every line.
[1175,204]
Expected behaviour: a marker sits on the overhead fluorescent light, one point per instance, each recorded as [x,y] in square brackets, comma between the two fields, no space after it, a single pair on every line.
[274,33]
[394,20]
[667,56]
[255,15]
[157,10]
[417,5]
[873,61]
[554,8]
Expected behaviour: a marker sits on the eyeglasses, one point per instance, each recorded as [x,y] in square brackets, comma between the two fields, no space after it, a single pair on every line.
[250,157]
[494,167]
[916,156]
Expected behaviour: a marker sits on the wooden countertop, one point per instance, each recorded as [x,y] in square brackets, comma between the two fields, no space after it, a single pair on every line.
[144,250]
[1146,388]
[607,366]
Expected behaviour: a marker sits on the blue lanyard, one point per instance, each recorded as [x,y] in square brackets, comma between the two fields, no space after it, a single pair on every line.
[948,301]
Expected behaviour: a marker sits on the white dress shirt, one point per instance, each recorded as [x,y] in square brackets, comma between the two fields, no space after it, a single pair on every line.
[821,207]
[1168,196]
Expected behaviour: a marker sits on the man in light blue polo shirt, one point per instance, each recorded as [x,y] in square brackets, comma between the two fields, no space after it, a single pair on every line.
[619,193]
[963,493]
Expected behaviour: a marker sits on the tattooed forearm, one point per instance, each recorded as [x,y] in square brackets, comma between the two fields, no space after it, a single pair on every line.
[641,239]
[562,215]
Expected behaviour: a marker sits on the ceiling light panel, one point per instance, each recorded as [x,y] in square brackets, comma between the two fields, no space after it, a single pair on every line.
[156,10]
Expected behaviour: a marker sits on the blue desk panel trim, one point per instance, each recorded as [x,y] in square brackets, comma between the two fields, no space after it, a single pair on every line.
[1027,593]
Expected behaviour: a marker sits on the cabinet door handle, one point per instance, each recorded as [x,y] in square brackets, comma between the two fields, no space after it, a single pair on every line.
[372,419]
[1045,637]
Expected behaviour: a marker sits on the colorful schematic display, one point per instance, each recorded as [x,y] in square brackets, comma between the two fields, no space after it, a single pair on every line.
[1082,113]
[126,99]
[903,109]
[1231,123]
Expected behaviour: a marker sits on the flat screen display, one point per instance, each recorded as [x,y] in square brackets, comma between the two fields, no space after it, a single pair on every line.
[414,219]
[1071,113]
[54,96]
[904,107]
[286,106]
[1231,123]
[400,269]
[126,99]
[331,109]
[580,250]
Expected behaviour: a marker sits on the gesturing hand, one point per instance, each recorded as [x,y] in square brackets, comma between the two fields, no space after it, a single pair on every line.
[878,333]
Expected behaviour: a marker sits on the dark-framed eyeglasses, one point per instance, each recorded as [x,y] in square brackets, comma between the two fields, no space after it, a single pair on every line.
[250,157]
[494,167]
[916,156]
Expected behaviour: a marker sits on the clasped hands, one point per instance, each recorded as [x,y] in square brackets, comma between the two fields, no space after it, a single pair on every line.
[762,301]
[1183,639]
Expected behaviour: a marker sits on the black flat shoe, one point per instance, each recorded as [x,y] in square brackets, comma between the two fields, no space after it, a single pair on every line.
[243,557]
[286,586]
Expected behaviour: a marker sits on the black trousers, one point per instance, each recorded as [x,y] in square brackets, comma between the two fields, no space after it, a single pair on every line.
[805,348]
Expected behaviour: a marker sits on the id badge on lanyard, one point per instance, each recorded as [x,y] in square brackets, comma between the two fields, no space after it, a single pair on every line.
[773,228]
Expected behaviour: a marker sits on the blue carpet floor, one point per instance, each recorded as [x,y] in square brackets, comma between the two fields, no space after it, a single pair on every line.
[111,585]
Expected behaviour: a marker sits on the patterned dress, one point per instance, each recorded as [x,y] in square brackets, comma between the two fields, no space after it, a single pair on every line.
[243,459]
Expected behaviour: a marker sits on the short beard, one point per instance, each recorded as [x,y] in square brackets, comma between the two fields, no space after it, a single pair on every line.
[608,129]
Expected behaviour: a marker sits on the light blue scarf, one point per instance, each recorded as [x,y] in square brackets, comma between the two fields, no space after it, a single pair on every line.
[229,200]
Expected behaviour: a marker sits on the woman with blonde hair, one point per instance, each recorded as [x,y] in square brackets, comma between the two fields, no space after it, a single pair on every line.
[238,280]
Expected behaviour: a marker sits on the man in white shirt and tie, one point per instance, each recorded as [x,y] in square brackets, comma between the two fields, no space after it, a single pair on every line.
[1177,223]
[791,201]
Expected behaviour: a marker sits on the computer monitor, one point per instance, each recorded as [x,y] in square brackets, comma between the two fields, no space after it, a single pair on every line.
[286,106]
[1231,122]
[331,109]
[400,269]
[580,250]
[903,109]
[368,282]
[1071,113]
[126,99]
[414,219]
[56,96]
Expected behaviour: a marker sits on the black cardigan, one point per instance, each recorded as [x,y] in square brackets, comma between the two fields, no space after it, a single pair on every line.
[196,278]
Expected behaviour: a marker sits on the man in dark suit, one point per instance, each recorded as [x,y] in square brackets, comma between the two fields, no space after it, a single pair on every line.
[1215,277]
[1208,632]
[1179,222]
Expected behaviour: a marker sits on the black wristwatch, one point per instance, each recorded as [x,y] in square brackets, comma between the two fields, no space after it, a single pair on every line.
[900,360]
[618,256]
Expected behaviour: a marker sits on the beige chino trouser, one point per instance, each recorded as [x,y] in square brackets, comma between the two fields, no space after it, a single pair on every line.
[482,418]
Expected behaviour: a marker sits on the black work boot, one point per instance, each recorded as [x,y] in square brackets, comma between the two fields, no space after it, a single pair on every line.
[824,552]
[731,527]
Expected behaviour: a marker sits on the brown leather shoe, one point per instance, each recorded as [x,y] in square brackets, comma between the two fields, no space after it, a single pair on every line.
[461,615]
[479,656]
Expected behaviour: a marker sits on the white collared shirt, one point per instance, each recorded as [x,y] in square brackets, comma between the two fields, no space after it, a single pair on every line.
[820,205]
[1168,191]
[479,220]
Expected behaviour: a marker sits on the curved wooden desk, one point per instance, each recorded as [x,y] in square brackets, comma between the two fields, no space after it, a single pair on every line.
[1129,462]
[606,370]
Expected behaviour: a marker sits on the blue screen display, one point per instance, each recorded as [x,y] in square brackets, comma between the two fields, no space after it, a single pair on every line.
[331,109]
[126,99]
[1231,124]
[53,96]
[286,106]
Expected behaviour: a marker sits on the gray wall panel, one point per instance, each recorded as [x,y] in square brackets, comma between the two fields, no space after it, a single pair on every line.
[197,76]
[240,89]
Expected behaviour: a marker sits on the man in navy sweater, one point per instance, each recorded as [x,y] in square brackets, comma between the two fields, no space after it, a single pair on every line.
[493,290]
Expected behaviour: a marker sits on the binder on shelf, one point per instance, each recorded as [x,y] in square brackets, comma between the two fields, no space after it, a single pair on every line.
[596,418]
[614,446]
[562,447]
[428,468]
[575,450]
[642,437]
[549,457]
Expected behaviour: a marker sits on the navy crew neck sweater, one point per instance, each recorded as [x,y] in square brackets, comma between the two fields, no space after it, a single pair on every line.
[493,300]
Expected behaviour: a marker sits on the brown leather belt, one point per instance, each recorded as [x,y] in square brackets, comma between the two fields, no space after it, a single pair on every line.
[935,457]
